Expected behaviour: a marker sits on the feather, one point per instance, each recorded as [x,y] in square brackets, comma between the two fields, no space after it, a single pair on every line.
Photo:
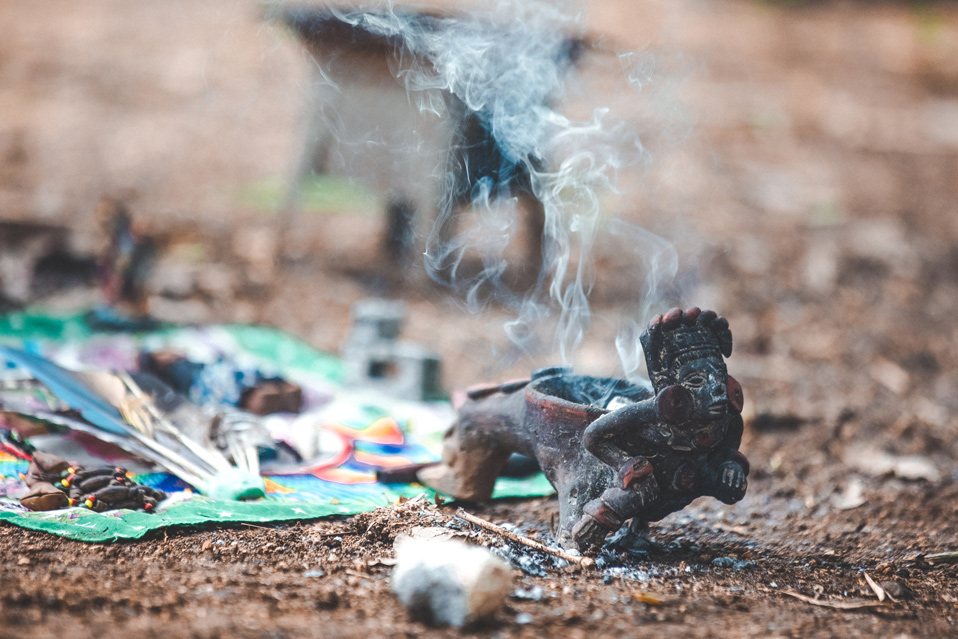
[94,408]
[131,420]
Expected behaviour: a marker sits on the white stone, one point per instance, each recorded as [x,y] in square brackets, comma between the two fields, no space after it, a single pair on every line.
[449,582]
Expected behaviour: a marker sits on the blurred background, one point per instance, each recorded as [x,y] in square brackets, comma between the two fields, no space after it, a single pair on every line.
[802,158]
[798,174]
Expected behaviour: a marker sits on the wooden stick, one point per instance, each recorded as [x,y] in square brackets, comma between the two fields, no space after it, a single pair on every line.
[839,605]
[942,558]
[584,562]
[356,573]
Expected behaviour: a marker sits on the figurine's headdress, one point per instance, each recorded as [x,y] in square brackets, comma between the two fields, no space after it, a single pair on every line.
[678,337]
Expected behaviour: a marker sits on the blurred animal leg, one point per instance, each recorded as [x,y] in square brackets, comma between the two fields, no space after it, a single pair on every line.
[535,227]
[398,239]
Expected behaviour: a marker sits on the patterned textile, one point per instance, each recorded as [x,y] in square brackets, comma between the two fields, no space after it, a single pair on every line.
[351,433]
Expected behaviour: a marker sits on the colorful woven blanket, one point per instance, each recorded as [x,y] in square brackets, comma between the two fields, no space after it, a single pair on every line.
[357,432]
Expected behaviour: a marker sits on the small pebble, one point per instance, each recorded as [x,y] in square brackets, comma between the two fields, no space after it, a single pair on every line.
[523,618]
[734,564]
[894,589]
[313,573]
[532,594]
[531,566]
[449,582]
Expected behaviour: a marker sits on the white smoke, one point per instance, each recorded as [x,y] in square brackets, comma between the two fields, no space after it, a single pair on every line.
[509,66]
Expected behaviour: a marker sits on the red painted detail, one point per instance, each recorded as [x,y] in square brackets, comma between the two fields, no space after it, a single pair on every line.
[736,397]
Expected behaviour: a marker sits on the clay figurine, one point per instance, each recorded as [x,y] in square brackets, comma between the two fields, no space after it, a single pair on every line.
[616,452]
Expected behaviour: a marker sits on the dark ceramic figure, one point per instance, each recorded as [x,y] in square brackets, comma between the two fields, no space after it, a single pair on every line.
[614,451]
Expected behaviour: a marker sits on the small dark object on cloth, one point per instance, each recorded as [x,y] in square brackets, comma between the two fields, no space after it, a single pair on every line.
[45,496]
[615,452]
[258,394]
[56,483]
[272,396]
[406,474]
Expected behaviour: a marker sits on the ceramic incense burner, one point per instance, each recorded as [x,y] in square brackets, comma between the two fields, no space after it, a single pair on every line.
[616,452]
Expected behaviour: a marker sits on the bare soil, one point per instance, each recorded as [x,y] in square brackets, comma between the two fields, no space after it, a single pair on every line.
[810,183]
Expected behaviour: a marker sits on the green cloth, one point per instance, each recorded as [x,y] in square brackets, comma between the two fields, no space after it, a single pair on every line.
[85,525]
[268,346]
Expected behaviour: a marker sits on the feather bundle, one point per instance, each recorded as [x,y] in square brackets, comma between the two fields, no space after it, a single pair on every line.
[116,409]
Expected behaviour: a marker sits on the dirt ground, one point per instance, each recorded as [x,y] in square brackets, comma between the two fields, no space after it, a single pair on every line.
[806,168]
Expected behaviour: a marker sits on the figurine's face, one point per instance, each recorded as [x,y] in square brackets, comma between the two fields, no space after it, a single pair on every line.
[707,381]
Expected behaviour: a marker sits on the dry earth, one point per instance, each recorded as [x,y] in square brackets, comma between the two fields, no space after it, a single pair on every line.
[806,167]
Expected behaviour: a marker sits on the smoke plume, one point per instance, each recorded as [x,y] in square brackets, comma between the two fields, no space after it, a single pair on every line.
[506,72]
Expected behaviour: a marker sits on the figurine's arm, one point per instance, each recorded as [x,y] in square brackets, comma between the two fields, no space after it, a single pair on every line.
[600,437]
[671,405]
[731,466]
